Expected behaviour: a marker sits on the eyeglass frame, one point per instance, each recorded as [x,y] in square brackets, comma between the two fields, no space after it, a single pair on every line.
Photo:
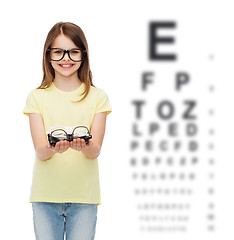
[53,140]
[68,53]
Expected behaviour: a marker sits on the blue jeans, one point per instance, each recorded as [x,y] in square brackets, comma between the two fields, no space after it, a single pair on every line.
[53,220]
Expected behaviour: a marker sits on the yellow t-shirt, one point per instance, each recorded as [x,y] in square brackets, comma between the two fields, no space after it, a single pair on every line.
[70,176]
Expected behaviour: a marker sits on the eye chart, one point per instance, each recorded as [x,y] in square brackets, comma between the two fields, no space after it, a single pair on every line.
[177,161]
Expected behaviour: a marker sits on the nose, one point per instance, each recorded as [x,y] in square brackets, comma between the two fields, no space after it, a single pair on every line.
[66,57]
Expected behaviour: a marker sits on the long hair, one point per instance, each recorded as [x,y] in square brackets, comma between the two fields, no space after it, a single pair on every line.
[76,34]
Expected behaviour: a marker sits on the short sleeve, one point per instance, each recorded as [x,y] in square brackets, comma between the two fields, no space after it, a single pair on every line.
[103,103]
[32,104]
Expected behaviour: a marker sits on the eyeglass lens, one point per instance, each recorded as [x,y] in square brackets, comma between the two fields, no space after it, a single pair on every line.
[60,134]
[57,54]
[77,132]
[80,132]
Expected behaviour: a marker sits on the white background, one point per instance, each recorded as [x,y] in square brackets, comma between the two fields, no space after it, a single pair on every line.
[117,34]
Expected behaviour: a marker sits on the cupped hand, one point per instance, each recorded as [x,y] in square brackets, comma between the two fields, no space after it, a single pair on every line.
[60,147]
[79,144]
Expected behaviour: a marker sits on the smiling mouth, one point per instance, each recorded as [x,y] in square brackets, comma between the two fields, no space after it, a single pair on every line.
[66,65]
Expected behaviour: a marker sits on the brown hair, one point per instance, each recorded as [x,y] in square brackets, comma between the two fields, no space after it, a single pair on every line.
[76,34]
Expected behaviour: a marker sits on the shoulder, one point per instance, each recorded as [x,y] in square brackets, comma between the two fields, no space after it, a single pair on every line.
[36,94]
[37,91]
[102,100]
[98,92]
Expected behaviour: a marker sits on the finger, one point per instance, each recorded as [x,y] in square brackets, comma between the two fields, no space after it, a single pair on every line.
[67,144]
[82,145]
[78,143]
[74,142]
[60,147]
[57,146]
[90,143]
[50,147]
[63,146]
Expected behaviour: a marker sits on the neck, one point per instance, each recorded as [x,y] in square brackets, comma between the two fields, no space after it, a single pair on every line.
[67,84]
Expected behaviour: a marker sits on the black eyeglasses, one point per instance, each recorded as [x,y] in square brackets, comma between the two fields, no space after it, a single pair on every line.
[60,134]
[57,54]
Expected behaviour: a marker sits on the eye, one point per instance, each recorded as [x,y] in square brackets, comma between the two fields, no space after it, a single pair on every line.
[75,51]
[58,52]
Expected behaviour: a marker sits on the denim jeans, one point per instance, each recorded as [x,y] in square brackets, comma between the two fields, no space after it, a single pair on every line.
[53,221]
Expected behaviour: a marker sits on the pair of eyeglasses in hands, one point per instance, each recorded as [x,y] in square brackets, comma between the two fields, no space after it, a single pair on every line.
[61,134]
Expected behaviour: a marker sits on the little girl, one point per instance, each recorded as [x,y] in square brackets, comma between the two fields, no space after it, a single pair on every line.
[65,189]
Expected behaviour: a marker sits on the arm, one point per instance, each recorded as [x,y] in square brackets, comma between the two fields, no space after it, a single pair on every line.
[43,150]
[93,149]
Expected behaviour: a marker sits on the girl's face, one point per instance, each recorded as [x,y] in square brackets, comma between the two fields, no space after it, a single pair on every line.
[65,67]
